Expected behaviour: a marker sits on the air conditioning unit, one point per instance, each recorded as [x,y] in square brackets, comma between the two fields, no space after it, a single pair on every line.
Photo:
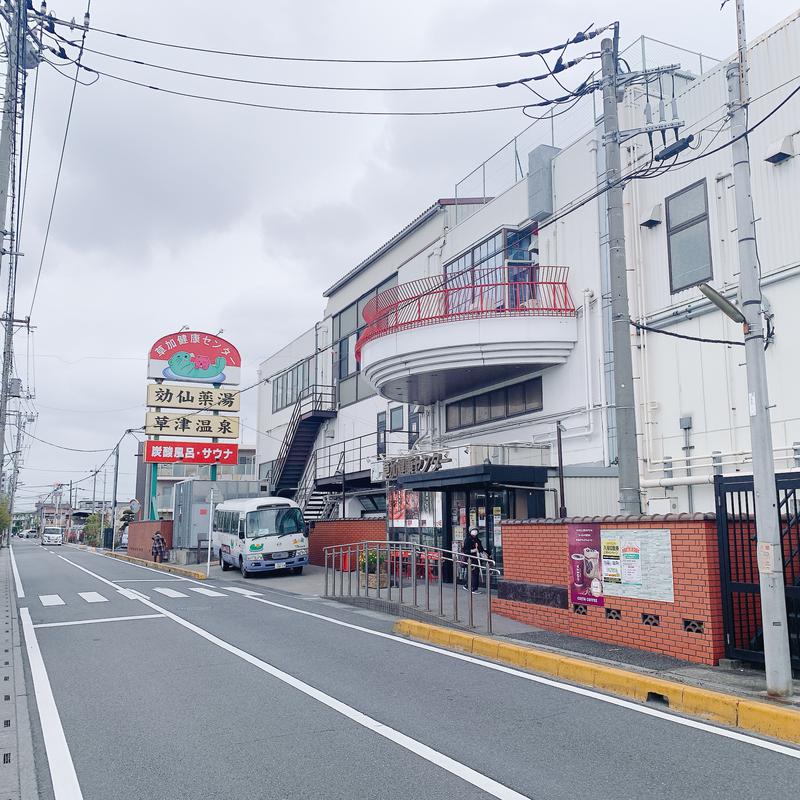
[662,505]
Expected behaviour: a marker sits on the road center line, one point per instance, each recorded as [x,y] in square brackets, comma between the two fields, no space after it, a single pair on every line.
[92,621]
[17,581]
[483,782]
[59,759]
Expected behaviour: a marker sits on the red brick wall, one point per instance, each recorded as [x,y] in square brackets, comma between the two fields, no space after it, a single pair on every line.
[342,531]
[536,552]
[140,537]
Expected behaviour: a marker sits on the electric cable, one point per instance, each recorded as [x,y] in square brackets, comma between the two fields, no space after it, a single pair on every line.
[60,165]
[641,327]
[577,39]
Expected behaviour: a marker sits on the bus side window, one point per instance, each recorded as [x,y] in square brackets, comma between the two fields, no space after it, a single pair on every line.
[241,528]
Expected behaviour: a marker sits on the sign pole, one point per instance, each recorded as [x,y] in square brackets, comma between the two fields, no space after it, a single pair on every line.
[210,529]
[153,491]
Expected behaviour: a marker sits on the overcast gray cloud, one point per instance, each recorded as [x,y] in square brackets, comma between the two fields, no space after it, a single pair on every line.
[174,211]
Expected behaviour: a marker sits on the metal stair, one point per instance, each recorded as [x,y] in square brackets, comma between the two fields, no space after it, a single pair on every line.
[316,506]
[313,407]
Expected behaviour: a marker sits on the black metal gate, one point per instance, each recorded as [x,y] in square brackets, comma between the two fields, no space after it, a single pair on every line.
[736,528]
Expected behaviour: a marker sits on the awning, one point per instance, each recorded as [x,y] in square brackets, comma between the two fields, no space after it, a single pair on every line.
[475,477]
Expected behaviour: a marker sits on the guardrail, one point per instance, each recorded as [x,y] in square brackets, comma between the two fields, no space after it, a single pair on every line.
[523,290]
[407,573]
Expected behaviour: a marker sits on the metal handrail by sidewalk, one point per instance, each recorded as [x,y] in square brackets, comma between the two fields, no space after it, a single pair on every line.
[392,571]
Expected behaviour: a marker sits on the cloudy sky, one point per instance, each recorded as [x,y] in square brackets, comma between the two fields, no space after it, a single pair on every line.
[174,211]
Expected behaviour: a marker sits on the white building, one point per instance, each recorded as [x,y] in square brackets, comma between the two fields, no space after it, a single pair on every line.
[486,321]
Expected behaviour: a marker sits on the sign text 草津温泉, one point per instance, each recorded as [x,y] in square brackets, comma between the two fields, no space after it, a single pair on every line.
[199,398]
[207,425]
[170,452]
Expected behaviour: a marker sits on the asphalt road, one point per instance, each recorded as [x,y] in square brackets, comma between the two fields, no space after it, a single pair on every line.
[180,694]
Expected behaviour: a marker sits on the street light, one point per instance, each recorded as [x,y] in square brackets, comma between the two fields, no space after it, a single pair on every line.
[722,303]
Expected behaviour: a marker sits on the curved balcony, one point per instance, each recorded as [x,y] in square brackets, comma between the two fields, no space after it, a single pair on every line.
[438,337]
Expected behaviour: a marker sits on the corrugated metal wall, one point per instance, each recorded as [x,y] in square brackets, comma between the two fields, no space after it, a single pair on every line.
[585,496]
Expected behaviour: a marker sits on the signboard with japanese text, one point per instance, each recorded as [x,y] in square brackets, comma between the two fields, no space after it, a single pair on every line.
[637,563]
[170,452]
[194,356]
[165,395]
[167,424]
[583,549]
[414,464]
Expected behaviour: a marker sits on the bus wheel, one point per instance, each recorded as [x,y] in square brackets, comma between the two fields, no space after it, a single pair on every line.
[245,573]
[223,563]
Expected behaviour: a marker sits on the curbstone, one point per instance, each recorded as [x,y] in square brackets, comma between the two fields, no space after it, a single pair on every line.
[171,568]
[776,721]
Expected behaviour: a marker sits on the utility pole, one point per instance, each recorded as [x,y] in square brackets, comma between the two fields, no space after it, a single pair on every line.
[770,554]
[17,31]
[114,497]
[21,420]
[624,399]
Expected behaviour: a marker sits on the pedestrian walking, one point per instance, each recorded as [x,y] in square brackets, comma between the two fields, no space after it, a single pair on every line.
[474,547]
[158,547]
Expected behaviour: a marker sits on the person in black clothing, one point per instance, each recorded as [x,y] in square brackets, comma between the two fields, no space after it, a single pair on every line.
[474,547]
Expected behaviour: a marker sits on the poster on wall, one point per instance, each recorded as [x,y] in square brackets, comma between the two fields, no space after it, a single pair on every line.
[638,564]
[412,509]
[396,508]
[586,586]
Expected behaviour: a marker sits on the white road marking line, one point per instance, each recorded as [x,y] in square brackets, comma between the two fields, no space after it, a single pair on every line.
[245,592]
[93,597]
[17,581]
[92,621]
[149,580]
[129,593]
[206,592]
[566,687]
[579,690]
[168,592]
[62,770]
[483,782]
[51,600]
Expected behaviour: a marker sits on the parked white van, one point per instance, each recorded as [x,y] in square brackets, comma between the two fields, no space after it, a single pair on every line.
[52,535]
[263,534]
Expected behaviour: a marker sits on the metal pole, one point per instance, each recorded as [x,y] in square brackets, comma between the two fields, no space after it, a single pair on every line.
[114,498]
[18,25]
[562,508]
[210,527]
[488,596]
[15,474]
[770,554]
[624,400]
[69,509]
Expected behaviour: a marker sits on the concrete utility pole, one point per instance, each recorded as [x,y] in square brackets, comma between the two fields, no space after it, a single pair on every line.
[624,399]
[17,32]
[770,553]
[21,420]
[114,497]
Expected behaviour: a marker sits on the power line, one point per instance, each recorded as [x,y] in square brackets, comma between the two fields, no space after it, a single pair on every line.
[582,36]
[675,335]
[60,163]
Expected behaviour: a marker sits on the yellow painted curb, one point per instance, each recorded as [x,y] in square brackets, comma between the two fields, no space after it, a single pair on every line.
[171,568]
[768,719]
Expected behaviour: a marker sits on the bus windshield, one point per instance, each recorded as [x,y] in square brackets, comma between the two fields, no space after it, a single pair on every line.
[274,522]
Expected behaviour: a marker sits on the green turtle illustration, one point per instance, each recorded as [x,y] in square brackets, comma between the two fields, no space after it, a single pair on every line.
[181,365]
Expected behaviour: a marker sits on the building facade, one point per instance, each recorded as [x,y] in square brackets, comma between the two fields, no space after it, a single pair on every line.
[452,362]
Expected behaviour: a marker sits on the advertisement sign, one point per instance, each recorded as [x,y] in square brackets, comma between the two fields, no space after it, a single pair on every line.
[585,585]
[207,425]
[171,452]
[194,356]
[638,563]
[165,395]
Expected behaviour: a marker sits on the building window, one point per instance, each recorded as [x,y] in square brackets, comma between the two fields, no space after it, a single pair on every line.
[290,385]
[413,428]
[381,434]
[347,326]
[510,401]
[396,418]
[688,237]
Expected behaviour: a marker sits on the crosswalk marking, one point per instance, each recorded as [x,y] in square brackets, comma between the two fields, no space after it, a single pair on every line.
[245,592]
[206,592]
[131,595]
[51,600]
[93,597]
[168,592]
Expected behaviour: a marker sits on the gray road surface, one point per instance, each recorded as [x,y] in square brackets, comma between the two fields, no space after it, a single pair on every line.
[234,696]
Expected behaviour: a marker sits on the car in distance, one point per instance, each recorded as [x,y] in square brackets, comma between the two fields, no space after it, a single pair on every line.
[52,535]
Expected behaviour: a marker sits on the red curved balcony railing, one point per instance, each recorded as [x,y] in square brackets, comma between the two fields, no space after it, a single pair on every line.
[519,290]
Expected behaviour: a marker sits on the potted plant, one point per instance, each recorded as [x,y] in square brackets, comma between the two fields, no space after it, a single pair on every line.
[375,564]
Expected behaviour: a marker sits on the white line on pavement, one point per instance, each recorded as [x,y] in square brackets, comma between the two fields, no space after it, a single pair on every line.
[245,592]
[168,592]
[17,581]
[206,592]
[131,594]
[578,690]
[483,782]
[62,770]
[93,597]
[51,600]
[150,580]
[92,621]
